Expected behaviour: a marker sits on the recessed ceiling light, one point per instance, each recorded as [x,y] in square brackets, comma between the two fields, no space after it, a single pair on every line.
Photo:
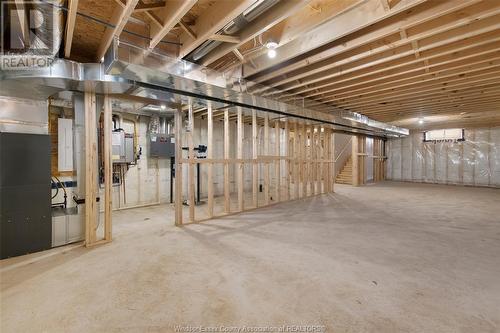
[421,121]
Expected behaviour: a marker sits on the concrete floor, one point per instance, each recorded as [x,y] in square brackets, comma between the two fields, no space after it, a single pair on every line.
[392,257]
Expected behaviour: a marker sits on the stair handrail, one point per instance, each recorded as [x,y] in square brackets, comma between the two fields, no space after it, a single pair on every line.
[343,149]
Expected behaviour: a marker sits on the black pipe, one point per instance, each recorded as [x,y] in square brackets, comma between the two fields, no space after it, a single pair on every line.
[197,183]
[243,105]
[172,176]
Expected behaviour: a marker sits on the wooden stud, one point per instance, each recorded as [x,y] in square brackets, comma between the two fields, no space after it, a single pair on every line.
[355,160]
[296,167]
[325,158]
[287,162]
[310,165]
[191,166]
[315,156]
[277,163]
[210,155]
[331,165]
[227,198]
[303,165]
[108,168]
[178,166]
[255,165]
[90,164]
[239,155]
[266,165]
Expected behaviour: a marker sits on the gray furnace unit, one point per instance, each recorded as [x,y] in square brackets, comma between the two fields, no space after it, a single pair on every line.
[25,194]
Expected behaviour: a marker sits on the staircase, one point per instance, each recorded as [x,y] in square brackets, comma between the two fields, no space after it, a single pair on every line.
[345,175]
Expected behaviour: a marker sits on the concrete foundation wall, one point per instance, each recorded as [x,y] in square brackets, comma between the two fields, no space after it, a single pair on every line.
[475,161]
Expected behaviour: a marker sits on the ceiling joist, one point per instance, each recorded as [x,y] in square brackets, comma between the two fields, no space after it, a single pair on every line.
[172,14]
[212,21]
[119,19]
[70,26]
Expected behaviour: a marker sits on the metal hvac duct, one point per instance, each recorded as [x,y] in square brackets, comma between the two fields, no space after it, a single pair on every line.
[133,71]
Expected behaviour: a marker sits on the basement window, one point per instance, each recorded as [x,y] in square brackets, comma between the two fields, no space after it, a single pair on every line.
[445,135]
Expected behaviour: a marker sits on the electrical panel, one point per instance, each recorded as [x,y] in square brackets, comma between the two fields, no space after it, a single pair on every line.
[162,146]
[64,144]
[122,150]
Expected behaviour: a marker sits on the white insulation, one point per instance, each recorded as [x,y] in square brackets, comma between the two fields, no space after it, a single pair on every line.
[475,161]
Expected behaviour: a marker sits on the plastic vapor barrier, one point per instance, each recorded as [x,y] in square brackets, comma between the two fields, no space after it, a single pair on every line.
[475,161]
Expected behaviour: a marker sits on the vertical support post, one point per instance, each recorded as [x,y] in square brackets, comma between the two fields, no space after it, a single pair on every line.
[310,166]
[210,156]
[192,161]
[277,162]
[287,160]
[316,154]
[355,160]
[90,164]
[296,160]
[255,165]
[375,160]
[383,163]
[323,163]
[178,166]
[108,168]
[474,156]
[303,152]
[239,155]
[362,145]
[332,162]
[266,153]
[227,202]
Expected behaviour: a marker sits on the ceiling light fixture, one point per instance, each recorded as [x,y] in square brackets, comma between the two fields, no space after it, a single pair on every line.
[271,48]
[421,121]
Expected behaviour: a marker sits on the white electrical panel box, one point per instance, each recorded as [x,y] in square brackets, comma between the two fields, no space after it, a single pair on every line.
[65,144]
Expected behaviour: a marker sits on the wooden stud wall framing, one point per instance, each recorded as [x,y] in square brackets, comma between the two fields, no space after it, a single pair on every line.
[255,166]
[378,160]
[300,155]
[178,166]
[267,170]
[108,168]
[355,160]
[91,186]
[239,155]
[227,202]
[191,166]
[277,162]
[91,173]
[210,155]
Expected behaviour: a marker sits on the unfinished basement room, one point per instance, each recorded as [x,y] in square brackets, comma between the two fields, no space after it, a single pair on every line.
[234,166]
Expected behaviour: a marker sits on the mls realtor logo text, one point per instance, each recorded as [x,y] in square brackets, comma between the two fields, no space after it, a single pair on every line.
[30,34]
